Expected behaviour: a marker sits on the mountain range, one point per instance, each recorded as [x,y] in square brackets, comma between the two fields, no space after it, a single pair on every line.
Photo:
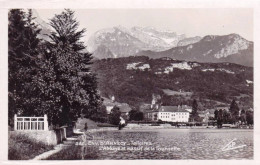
[119,41]
[122,42]
[227,48]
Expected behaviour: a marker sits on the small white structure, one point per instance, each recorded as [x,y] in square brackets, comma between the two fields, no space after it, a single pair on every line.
[30,123]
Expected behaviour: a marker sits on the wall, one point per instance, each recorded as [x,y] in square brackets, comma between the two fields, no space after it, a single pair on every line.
[46,137]
[51,137]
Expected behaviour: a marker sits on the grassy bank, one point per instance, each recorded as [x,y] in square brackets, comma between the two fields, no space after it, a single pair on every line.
[75,153]
[20,147]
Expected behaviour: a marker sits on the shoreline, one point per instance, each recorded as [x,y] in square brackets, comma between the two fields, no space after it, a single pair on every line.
[160,128]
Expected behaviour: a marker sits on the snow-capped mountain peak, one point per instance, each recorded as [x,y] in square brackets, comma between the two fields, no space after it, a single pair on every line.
[120,40]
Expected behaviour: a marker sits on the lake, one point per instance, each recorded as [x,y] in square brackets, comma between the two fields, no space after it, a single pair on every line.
[174,144]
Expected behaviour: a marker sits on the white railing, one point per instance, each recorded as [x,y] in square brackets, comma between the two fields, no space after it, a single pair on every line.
[30,123]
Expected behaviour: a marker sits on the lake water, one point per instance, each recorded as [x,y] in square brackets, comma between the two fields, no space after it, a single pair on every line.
[174,144]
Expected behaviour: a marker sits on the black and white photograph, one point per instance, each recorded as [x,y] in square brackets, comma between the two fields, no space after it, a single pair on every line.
[131,84]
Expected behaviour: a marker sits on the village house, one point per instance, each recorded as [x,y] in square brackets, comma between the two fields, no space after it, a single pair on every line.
[206,115]
[110,103]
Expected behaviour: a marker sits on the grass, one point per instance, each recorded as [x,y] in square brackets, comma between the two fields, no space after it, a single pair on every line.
[106,125]
[75,153]
[173,93]
[20,147]
[81,123]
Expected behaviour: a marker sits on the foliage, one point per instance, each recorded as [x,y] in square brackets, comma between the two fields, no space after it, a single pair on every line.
[23,50]
[243,116]
[194,113]
[136,115]
[227,118]
[234,110]
[250,117]
[50,77]
[67,85]
[220,118]
[194,108]
[20,147]
[136,87]
[101,115]
[114,117]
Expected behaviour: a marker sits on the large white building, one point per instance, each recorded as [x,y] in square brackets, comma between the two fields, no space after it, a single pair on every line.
[169,114]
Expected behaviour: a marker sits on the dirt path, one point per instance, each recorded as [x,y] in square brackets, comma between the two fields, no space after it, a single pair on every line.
[69,142]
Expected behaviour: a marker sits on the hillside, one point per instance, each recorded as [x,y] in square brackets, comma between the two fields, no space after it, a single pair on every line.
[133,80]
[228,48]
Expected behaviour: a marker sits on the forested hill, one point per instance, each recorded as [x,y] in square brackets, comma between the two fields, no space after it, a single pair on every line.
[133,80]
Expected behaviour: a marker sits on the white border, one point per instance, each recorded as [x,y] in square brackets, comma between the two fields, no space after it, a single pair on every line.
[51,4]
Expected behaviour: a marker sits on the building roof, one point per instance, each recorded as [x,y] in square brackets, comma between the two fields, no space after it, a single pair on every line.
[211,111]
[172,109]
[123,107]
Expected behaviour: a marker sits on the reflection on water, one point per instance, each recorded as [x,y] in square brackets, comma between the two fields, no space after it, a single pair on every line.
[179,144]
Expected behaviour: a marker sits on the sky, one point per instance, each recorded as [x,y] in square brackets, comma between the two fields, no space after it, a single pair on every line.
[189,21]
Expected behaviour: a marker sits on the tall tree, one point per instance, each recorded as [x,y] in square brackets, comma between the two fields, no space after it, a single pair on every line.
[216,114]
[234,110]
[194,113]
[243,116]
[220,118]
[250,117]
[115,114]
[23,50]
[67,84]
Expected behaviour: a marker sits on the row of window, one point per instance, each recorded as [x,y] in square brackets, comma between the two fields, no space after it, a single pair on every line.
[176,116]
[177,113]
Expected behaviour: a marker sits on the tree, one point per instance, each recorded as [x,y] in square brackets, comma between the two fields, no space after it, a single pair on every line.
[23,50]
[250,117]
[216,114]
[101,115]
[115,114]
[243,116]
[68,88]
[136,115]
[220,118]
[194,112]
[234,110]
[226,116]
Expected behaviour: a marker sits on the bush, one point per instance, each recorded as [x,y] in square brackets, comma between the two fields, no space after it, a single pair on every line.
[20,147]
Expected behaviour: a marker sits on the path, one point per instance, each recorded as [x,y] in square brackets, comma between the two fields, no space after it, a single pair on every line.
[68,142]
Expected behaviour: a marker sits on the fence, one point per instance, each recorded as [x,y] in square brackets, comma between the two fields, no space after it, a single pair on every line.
[30,123]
